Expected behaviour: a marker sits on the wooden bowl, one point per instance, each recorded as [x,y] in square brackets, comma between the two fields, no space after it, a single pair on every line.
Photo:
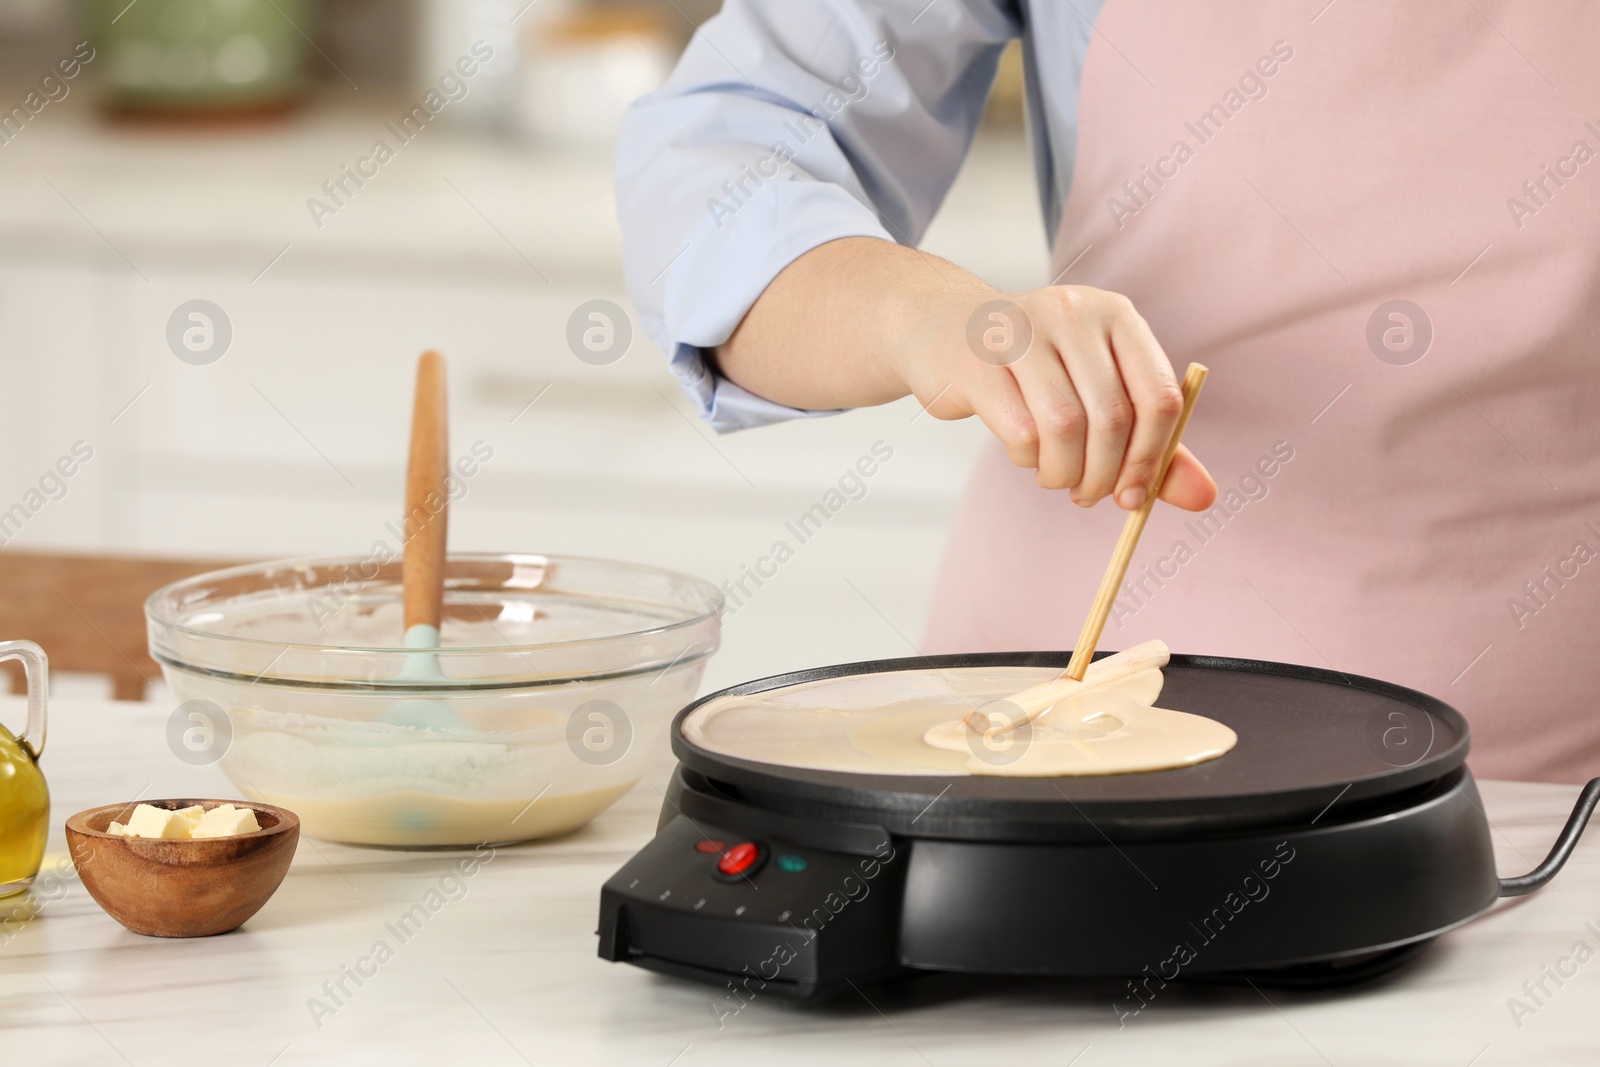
[182,888]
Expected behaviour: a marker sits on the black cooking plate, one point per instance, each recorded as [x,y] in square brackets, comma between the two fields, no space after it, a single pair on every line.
[1313,745]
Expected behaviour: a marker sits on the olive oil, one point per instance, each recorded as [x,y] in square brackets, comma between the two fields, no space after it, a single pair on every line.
[24,815]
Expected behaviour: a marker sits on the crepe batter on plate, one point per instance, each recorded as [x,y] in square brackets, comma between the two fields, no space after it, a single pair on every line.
[911,723]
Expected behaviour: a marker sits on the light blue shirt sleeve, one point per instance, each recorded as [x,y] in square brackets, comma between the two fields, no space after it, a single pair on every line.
[788,124]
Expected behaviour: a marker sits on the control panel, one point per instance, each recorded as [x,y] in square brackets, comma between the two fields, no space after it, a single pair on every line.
[762,913]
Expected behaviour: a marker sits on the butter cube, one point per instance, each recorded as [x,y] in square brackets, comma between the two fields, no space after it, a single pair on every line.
[192,813]
[116,829]
[225,820]
[150,821]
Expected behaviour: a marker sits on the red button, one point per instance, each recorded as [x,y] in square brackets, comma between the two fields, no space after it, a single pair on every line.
[708,845]
[739,858]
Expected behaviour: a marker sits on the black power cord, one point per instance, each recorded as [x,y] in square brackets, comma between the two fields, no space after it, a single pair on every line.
[1568,838]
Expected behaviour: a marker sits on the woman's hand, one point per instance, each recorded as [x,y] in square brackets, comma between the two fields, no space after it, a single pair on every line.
[1069,378]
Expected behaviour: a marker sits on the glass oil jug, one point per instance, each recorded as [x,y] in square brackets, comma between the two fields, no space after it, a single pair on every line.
[24,800]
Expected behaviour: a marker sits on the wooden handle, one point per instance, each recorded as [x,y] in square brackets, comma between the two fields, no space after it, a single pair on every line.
[427,500]
[1193,379]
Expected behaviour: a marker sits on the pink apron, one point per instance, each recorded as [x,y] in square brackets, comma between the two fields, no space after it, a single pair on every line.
[1381,230]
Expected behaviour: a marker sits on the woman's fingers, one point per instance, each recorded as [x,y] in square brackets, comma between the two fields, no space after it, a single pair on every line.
[1091,404]
[1188,485]
[993,395]
[1057,413]
[1109,411]
[1082,335]
[1156,398]
[1126,391]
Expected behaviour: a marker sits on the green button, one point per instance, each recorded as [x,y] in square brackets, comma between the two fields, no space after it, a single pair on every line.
[792,864]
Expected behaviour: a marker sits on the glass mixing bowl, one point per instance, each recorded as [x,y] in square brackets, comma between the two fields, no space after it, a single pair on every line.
[555,683]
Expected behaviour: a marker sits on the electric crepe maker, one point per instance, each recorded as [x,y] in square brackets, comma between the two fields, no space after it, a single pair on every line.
[1341,835]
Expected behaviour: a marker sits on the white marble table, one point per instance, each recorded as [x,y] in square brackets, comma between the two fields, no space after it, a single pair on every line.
[506,973]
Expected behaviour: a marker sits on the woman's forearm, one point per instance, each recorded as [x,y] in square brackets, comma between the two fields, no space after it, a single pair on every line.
[827,331]
[1069,378]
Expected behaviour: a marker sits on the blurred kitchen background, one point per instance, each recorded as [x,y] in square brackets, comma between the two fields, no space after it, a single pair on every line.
[176,165]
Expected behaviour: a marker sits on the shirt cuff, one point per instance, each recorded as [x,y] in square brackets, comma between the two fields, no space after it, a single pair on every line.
[724,406]
[731,257]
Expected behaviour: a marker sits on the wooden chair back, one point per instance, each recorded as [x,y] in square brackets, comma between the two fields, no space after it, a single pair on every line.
[86,611]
